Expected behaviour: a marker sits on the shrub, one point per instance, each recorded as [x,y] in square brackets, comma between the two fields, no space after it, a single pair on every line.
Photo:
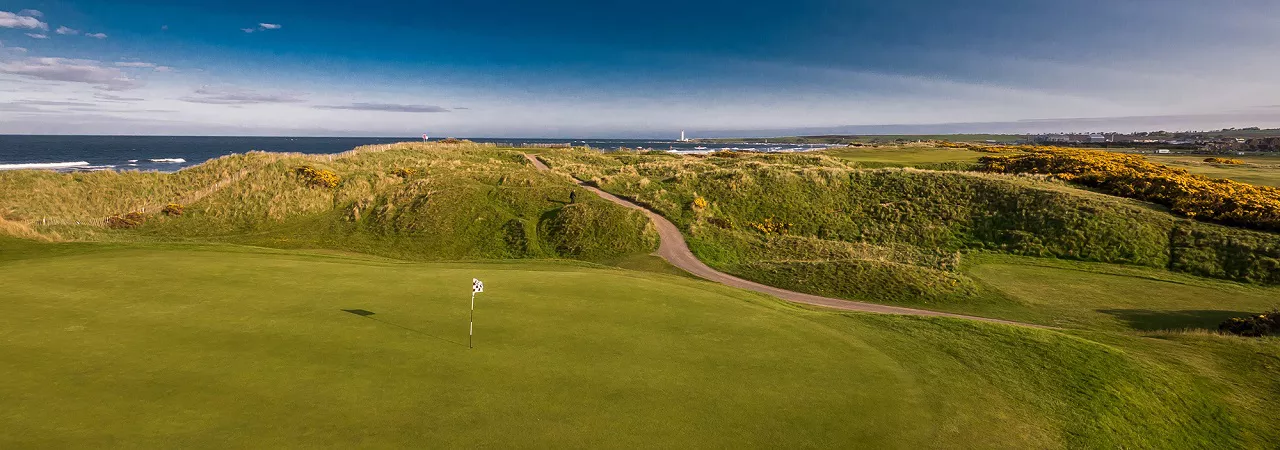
[719,223]
[1196,196]
[318,177]
[173,209]
[404,172]
[1223,161]
[450,140]
[770,226]
[1253,326]
[699,203]
[129,220]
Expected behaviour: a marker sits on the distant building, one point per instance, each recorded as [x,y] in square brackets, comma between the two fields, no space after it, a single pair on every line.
[1096,138]
[1056,138]
[1163,151]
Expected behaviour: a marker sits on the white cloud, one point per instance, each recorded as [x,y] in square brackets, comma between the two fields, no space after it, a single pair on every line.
[115,98]
[70,70]
[31,12]
[263,27]
[4,49]
[387,107]
[11,20]
[96,35]
[144,65]
[38,35]
[65,30]
[230,95]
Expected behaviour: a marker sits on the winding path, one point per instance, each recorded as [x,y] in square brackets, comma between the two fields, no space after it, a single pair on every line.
[673,248]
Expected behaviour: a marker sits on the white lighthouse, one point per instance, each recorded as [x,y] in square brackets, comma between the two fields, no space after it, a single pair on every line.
[682,138]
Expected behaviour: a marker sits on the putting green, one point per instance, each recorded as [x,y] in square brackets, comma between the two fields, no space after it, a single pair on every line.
[158,347]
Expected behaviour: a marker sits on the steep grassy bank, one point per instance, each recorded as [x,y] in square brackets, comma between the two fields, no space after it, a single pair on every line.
[411,201]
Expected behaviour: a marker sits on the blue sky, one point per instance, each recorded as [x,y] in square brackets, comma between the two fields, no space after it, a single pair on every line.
[630,69]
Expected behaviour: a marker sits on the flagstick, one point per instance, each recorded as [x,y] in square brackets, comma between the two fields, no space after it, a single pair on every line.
[472,331]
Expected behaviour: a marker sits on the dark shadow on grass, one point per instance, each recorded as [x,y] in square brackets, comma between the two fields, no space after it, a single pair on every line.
[1150,320]
[369,315]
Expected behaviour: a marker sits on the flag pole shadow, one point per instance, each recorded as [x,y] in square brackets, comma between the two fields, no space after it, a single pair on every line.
[369,315]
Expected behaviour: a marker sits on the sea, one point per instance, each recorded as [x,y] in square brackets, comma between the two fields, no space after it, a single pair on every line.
[172,153]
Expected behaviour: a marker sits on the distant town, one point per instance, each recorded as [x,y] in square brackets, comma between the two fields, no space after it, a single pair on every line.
[1225,141]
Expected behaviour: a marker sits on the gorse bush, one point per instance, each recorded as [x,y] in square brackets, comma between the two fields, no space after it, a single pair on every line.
[770,226]
[404,172]
[173,209]
[1133,176]
[1229,161]
[128,220]
[1253,326]
[318,177]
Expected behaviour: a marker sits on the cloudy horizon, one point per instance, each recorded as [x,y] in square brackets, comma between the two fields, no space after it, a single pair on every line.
[582,69]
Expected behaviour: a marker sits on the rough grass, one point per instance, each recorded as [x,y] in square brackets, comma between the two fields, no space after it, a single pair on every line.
[460,201]
[160,345]
[822,198]
[918,156]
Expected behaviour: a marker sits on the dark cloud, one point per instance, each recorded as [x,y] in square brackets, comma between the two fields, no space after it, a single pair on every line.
[237,96]
[387,107]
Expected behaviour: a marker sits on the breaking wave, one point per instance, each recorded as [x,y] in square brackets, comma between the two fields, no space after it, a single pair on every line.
[53,165]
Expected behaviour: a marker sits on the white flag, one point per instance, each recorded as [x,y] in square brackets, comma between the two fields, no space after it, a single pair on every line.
[476,286]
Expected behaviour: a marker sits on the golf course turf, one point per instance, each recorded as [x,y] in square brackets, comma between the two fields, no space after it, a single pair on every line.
[216,346]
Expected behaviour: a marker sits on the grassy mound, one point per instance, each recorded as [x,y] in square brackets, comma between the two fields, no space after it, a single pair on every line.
[137,345]
[596,231]
[752,198]
[413,201]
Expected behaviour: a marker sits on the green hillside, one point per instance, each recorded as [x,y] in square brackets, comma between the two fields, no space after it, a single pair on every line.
[461,201]
[825,225]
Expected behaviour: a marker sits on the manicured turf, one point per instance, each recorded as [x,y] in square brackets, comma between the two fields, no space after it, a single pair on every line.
[1259,170]
[182,346]
[254,348]
[1111,297]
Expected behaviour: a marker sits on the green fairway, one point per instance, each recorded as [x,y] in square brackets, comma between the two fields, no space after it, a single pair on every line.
[1111,297]
[905,156]
[180,346]
[1260,170]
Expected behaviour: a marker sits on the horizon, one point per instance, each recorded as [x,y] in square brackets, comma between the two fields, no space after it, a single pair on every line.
[582,69]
